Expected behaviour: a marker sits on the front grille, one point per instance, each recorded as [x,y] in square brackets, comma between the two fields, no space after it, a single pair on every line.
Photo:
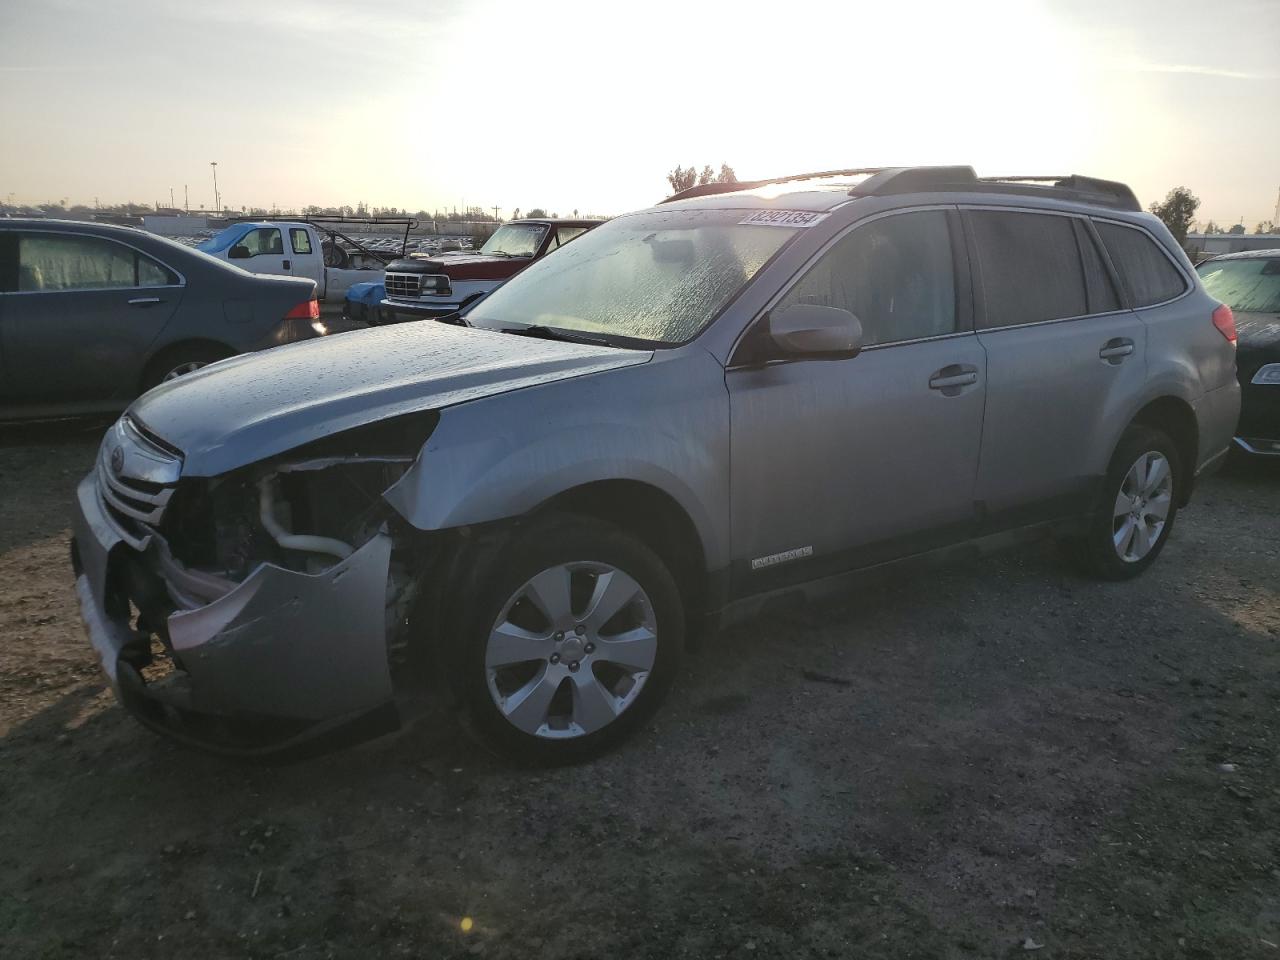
[136,476]
[403,285]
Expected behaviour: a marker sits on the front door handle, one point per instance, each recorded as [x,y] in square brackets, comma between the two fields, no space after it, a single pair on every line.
[1116,349]
[144,301]
[952,377]
[286,264]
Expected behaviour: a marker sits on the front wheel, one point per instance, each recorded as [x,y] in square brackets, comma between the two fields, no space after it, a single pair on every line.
[575,636]
[1137,506]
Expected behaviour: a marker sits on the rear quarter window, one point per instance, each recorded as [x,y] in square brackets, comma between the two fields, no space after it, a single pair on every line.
[1145,269]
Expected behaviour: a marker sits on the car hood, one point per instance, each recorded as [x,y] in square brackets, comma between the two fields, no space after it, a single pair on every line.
[258,405]
[463,266]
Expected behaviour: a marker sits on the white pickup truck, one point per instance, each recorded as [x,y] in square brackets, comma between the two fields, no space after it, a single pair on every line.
[295,249]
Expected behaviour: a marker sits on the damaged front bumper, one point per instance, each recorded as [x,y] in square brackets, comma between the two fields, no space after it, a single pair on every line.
[275,661]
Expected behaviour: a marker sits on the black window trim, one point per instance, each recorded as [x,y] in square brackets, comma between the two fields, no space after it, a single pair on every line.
[963,281]
[1084,233]
[1188,284]
[182,280]
[980,299]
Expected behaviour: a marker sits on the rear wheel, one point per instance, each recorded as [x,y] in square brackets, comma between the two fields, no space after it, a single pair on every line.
[179,360]
[1135,512]
[574,638]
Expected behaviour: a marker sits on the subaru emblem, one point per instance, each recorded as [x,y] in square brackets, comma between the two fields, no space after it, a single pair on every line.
[117,461]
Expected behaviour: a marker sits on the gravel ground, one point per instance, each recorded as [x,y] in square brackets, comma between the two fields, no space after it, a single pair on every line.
[996,759]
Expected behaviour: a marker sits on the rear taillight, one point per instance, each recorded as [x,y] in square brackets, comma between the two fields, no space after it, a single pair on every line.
[306,310]
[1225,321]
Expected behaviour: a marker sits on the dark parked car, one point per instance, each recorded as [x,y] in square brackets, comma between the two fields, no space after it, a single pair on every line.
[1249,283]
[91,315]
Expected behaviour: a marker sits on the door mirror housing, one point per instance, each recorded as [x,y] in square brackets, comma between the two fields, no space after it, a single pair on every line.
[809,330]
[238,252]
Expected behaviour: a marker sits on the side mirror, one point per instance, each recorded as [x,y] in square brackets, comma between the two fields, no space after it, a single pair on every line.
[817,332]
[238,252]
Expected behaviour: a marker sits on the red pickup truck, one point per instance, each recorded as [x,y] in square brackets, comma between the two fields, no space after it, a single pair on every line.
[435,286]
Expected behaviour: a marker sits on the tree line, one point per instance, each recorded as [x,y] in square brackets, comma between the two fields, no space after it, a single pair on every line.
[1178,212]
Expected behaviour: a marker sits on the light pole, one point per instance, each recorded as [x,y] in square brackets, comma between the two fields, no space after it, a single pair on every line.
[217,201]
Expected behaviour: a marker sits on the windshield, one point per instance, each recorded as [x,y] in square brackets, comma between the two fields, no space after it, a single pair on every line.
[515,240]
[660,277]
[1246,286]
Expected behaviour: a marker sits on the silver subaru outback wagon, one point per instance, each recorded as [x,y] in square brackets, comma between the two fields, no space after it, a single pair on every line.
[747,389]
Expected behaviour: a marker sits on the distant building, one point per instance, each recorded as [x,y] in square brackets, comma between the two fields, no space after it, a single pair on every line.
[1201,245]
[175,224]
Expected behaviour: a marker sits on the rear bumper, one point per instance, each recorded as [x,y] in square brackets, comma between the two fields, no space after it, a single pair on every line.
[1217,413]
[280,660]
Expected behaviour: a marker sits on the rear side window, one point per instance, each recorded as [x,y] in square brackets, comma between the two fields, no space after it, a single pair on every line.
[1144,268]
[60,262]
[895,274]
[1030,265]
[300,240]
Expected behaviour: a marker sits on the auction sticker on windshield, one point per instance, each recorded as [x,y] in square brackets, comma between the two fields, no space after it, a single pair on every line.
[784,218]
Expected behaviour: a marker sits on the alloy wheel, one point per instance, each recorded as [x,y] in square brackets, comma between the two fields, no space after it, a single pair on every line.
[1142,506]
[571,650]
[183,368]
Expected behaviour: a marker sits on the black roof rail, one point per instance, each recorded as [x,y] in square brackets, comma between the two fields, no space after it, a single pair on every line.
[887,181]
[709,189]
[895,180]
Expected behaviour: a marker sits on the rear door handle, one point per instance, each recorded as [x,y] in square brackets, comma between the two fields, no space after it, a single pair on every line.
[951,377]
[1115,350]
[144,301]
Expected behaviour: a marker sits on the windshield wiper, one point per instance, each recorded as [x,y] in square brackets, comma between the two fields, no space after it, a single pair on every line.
[549,333]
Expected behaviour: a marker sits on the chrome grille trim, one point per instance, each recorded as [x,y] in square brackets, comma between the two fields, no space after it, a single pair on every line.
[135,479]
[403,284]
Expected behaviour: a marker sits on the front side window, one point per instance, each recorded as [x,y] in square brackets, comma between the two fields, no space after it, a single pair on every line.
[49,262]
[300,239]
[565,234]
[659,277]
[1030,266]
[895,275]
[515,240]
[1246,285]
[264,240]
[1144,268]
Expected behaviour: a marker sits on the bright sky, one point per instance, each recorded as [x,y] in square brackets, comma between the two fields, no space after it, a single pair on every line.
[588,104]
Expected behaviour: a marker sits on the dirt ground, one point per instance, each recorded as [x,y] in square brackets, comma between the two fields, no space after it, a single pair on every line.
[996,759]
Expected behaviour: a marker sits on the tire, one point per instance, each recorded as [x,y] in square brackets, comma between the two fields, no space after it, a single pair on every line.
[182,358]
[1120,546]
[334,255]
[574,696]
